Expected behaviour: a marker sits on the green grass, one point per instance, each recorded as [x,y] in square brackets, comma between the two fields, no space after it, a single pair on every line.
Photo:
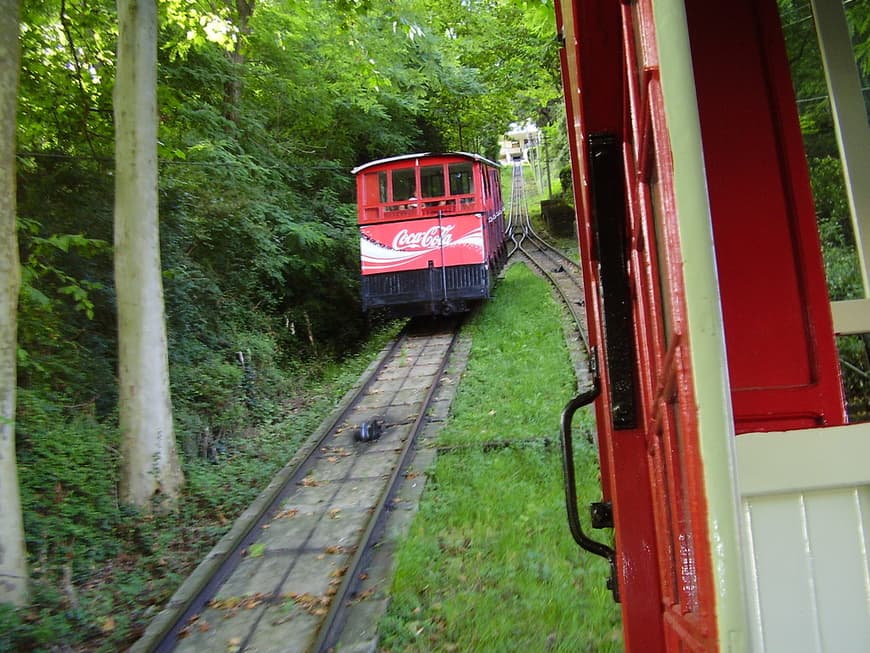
[489,564]
[519,374]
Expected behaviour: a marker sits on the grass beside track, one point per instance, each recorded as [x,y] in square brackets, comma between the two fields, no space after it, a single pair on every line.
[489,564]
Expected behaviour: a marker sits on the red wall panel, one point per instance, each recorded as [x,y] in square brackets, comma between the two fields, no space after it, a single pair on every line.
[781,354]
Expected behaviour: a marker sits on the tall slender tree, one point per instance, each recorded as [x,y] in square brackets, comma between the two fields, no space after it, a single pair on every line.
[244,9]
[150,466]
[13,560]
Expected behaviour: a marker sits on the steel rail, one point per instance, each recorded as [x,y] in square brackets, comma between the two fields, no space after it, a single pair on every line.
[586,395]
[197,590]
[519,229]
[194,605]
[330,629]
[579,320]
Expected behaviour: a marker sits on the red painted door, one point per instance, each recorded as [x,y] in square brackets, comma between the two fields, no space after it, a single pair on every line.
[781,357]
[592,65]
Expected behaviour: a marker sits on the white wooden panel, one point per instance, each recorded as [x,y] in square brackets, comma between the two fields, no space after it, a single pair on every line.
[837,548]
[806,502]
[794,461]
[785,611]
[851,315]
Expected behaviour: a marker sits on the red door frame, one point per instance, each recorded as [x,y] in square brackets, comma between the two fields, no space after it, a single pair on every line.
[670,412]
[595,62]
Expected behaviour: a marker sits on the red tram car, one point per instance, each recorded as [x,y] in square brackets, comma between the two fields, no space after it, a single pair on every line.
[737,491]
[431,232]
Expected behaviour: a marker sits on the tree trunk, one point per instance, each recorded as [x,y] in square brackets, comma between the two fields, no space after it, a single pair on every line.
[13,560]
[233,87]
[150,467]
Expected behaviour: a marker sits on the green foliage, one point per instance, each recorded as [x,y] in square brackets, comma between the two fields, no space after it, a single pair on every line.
[835,229]
[854,361]
[100,570]
[67,475]
[199,27]
[258,225]
[567,181]
[63,302]
[262,116]
[498,66]
[39,268]
[67,72]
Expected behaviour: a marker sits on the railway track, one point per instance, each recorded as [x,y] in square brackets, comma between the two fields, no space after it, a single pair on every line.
[566,278]
[292,573]
[562,272]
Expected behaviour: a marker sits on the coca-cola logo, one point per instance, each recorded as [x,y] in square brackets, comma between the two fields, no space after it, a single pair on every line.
[433,237]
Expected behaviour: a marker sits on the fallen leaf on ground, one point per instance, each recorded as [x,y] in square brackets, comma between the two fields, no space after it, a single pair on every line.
[338,573]
[311,603]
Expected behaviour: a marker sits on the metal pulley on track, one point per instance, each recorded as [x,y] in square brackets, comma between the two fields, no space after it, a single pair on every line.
[370,430]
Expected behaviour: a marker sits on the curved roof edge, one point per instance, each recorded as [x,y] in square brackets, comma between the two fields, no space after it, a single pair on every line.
[404,157]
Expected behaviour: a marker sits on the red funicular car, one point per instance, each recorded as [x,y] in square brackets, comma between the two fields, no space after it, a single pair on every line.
[431,231]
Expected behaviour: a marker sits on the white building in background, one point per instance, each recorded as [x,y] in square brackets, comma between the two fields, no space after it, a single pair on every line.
[517,142]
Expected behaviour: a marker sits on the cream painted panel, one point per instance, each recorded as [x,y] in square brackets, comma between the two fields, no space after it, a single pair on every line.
[850,119]
[784,607]
[837,548]
[851,316]
[794,461]
[806,501]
